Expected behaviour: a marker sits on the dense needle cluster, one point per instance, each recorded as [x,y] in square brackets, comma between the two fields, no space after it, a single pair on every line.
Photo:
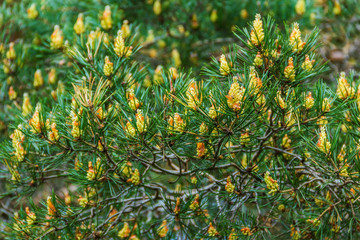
[254,147]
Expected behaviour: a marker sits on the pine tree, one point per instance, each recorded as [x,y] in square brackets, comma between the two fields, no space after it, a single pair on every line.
[255,146]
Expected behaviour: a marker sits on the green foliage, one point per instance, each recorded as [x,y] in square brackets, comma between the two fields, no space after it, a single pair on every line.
[172,33]
[256,146]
